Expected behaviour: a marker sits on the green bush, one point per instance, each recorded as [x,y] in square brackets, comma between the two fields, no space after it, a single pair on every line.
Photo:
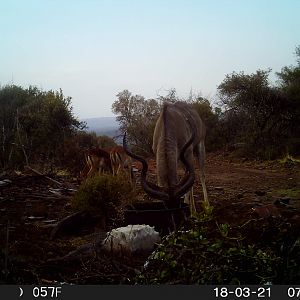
[104,195]
[210,253]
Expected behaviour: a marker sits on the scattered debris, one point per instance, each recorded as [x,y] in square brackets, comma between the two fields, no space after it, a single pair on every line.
[240,195]
[260,193]
[5,182]
[84,251]
[33,218]
[28,168]
[284,201]
[266,211]
[36,208]
[72,223]
[218,188]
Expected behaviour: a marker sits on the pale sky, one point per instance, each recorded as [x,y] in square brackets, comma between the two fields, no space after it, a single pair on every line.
[94,49]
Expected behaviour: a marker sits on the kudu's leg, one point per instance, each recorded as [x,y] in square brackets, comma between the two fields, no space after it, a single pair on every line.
[189,199]
[200,154]
[189,196]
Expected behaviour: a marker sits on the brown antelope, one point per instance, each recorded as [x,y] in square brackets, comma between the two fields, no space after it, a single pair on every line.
[179,132]
[97,159]
[120,161]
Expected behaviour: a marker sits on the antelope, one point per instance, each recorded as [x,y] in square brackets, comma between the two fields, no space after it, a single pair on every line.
[120,161]
[179,132]
[97,159]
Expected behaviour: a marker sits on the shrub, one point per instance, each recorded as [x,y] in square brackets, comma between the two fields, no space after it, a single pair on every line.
[210,253]
[105,195]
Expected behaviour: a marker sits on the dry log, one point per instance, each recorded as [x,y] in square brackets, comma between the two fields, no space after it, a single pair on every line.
[74,223]
[87,250]
[41,174]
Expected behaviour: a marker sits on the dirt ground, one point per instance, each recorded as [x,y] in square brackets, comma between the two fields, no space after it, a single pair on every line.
[241,191]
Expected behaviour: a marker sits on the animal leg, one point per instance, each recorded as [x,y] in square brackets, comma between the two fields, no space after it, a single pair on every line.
[201,159]
[189,199]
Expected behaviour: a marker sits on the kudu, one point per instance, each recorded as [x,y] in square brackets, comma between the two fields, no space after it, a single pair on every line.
[179,132]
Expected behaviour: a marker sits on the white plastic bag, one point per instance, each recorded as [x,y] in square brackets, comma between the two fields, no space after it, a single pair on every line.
[130,239]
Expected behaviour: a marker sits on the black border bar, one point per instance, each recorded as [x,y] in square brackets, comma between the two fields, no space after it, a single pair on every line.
[154,292]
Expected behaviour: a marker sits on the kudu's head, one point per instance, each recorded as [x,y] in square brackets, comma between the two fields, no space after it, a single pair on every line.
[170,195]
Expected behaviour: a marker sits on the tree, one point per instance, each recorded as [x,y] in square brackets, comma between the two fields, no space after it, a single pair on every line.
[289,85]
[170,97]
[72,156]
[137,118]
[11,98]
[211,121]
[34,125]
[260,110]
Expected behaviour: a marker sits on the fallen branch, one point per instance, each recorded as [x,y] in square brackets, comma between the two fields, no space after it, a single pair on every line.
[41,174]
[72,223]
[85,251]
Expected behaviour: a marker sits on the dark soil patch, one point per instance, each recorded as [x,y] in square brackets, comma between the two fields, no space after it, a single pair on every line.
[243,194]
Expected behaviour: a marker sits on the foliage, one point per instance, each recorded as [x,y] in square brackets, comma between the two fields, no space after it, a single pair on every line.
[214,139]
[293,193]
[289,160]
[212,253]
[264,117]
[105,141]
[71,155]
[171,96]
[34,125]
[137,117]
[106,195]
[289,84]
[72,158]
[252,108]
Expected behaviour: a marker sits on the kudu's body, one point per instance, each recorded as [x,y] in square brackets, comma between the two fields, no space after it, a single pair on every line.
[179,132]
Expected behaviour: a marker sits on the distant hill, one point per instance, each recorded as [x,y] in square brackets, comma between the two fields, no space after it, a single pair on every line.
[103,126]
